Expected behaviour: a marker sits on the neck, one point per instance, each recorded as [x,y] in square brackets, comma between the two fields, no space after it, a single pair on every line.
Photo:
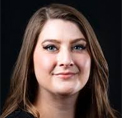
[55,106]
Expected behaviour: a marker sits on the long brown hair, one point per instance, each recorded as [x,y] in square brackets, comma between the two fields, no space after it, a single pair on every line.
[93,99]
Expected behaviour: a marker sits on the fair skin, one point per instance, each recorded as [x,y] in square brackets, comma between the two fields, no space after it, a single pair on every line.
[62,68]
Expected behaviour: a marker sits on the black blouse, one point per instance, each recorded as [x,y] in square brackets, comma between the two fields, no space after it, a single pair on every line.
[20,114]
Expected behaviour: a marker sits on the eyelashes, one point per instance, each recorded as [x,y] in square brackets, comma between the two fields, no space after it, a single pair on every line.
[50,48]
[53,48]
[78,47]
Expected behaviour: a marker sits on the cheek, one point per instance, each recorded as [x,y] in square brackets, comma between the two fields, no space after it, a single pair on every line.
[43,66]
[84,63]
[43,63]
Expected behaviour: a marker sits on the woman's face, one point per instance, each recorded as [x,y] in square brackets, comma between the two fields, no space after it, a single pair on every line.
[61,59]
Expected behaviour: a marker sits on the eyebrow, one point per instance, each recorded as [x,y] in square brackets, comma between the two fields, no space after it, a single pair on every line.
[77,40]
[56,41]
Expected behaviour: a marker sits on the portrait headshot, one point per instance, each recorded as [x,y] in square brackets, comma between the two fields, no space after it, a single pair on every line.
[61,60]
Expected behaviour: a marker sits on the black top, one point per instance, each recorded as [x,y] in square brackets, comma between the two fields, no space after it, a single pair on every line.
[20,114]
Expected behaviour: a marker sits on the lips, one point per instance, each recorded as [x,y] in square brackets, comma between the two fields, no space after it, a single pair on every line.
[65,75]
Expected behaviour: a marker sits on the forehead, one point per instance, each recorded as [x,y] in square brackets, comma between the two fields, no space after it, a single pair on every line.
[60,29]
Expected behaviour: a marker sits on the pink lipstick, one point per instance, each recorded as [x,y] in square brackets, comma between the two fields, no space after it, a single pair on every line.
[68,75]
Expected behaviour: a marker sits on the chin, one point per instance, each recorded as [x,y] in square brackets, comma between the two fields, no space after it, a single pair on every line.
[67,92]
[67,88]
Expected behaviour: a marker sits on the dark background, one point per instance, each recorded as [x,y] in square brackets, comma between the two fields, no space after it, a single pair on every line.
[103,15]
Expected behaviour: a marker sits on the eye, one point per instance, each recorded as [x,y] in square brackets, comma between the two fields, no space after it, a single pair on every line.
[79,47]
[50,48]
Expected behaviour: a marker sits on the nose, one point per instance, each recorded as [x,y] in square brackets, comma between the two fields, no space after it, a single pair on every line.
[65,59]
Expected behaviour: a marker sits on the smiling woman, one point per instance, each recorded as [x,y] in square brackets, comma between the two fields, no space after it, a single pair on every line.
[65,63]
[60,69]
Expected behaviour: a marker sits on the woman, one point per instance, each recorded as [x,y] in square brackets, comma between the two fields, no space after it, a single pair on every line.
[61,71]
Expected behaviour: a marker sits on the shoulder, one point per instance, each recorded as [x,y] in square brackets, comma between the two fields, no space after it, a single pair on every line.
[20,114]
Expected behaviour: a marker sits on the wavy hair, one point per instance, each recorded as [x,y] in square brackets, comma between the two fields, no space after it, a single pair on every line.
[93,99]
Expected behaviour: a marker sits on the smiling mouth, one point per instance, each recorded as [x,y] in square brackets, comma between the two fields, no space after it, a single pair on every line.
[65,75]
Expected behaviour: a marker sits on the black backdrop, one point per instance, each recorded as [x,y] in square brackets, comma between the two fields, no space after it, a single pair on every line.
[104,16]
